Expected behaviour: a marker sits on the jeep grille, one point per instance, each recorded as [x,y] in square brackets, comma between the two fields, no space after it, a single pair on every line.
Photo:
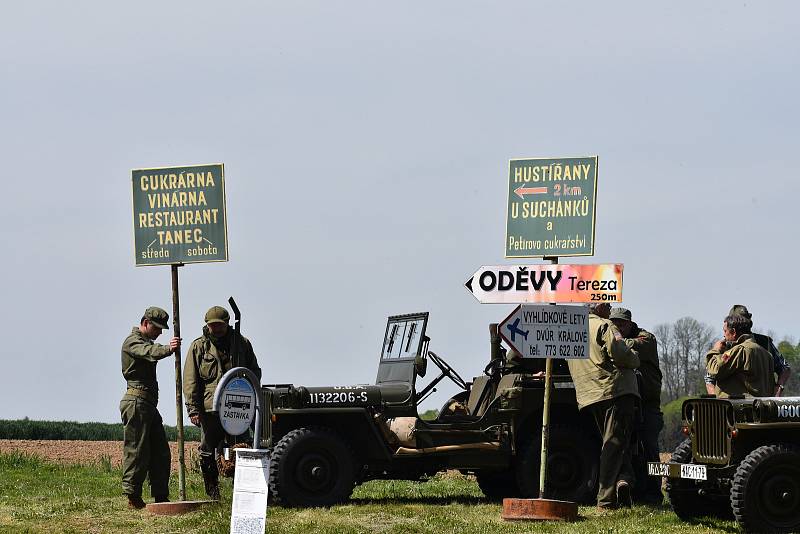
[710,424]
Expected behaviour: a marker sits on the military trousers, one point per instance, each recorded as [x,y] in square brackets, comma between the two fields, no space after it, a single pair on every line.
[145,451]
[615,420]
[212,435]
[648,429]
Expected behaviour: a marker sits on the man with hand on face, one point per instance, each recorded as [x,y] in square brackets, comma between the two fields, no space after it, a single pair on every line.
[606,388]
[209,358]
[745,368]
[782,369]
[145,449]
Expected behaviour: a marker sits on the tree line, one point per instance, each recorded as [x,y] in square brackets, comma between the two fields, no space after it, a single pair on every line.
[70,430]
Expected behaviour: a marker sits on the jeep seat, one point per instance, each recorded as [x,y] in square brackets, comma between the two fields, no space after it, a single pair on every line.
[480,395]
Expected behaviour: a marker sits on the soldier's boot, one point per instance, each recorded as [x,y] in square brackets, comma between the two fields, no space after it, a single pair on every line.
[135,502]
[161,498]
[208,466]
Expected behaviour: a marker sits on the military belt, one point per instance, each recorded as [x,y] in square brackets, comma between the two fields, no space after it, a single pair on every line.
[142,394]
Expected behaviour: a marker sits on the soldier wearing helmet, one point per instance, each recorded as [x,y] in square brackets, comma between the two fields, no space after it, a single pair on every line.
[209,357]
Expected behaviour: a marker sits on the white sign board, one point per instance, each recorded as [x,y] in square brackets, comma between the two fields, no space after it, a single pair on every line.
[562,283]
[236,406]
[249,506]
[542,331]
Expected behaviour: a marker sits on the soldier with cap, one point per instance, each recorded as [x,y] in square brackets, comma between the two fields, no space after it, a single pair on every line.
[739,365]
[145,449]
[209,357]
[605,387]
[780,366]
[651,422]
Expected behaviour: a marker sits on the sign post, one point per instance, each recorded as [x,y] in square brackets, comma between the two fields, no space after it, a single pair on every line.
[550,213]
[179,217]
[237,400]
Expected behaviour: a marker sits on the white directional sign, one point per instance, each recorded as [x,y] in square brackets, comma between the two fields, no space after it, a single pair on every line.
[541,331]
[517,284]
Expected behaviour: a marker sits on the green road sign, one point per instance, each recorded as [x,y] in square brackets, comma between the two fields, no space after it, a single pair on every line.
[551,207]
[179,215]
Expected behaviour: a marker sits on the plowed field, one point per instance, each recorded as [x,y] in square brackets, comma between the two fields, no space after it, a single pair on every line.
[86,452]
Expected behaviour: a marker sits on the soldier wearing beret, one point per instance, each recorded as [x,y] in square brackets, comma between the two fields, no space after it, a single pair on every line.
[145,449]
[605,387]
[651,421]
[209,357]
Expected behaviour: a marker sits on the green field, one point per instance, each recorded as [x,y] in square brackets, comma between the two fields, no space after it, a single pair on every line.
[36,496]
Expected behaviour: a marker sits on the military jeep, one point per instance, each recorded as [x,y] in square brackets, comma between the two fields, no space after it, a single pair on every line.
[326,440]
[742,456]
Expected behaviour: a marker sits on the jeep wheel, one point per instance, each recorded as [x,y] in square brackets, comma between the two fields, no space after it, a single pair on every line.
[311,467]
[497,485]
[684,495]
[765,494]
[572,466]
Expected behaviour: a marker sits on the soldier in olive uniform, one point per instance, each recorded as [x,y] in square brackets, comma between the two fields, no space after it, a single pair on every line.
[743,369]
[782,369]
[651,422]
[605,386]
[145,449]
[209,357]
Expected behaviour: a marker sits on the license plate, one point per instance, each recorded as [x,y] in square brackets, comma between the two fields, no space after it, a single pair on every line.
[657,470]
[694,472]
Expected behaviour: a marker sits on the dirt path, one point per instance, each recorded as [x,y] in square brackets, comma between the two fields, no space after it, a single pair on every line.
[86,452]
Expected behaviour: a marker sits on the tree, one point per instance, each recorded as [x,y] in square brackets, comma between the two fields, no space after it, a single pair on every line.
[682,347]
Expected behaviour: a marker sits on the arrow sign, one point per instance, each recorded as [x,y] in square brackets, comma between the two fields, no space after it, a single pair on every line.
[514,284]
[521,191]
[542,331]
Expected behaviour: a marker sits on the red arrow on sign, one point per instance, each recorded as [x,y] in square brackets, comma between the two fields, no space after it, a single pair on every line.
[522,190]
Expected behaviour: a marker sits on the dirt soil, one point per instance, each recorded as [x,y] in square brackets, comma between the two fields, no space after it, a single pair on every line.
[94,452]
[86,452]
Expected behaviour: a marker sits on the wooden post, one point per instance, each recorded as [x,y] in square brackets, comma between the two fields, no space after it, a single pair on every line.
[176,328]
[548,379]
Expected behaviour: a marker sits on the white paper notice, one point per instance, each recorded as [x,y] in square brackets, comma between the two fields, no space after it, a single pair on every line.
[249,507]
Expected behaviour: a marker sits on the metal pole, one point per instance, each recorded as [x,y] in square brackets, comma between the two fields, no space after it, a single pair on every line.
[176,328]
[546,414]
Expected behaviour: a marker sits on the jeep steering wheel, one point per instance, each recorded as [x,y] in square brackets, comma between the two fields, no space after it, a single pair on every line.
[447,371]
[493,368]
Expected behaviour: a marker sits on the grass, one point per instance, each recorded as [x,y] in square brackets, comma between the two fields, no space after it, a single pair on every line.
[37,496]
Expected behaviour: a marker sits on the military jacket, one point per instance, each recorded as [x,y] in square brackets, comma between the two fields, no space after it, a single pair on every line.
[744,369]
[139,357]
[646,347]
[206,362]
[609,371]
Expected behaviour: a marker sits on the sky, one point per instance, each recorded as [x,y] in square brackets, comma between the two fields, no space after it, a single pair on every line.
[366,149]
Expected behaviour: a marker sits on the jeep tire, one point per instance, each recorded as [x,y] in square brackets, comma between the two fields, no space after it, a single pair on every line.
[497,485]
[684,495]
[311,467]
[765,494]
[573,465]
